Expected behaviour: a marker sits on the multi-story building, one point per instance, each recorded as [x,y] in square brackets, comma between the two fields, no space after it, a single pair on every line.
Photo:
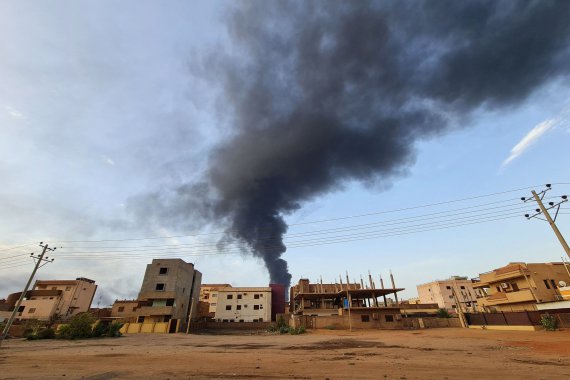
[243,304]
[209,294]
[447,293]
[521,286]
[169,293]
[349,305]
[55,299]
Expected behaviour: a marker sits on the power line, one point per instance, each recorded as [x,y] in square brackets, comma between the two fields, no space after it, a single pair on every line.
[317,221]
[293,241]
[309,243]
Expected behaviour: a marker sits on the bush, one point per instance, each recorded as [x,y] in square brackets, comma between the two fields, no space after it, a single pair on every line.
[100,330]
[549,322]
[79,327]
[114,330]
[47,333]
[443,313]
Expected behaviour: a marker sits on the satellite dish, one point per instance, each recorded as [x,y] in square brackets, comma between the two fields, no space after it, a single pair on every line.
[562,283]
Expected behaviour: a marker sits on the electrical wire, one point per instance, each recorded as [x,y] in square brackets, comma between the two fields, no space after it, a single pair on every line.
[322,220]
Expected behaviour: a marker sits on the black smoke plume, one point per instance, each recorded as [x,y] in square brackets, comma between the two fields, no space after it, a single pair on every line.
[318,93]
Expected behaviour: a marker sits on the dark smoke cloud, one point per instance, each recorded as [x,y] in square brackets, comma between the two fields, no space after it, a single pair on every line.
[320,93]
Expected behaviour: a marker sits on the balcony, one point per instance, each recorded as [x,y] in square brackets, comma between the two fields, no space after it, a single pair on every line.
[524,295]
[159,310]
[157,294]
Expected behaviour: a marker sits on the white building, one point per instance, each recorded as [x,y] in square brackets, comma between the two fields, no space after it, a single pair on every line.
[441,292]
[243,304]
[209,294]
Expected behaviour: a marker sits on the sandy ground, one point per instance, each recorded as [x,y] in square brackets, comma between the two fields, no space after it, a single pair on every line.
[418,354]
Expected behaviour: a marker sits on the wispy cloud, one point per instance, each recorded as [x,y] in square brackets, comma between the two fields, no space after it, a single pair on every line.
[530,138]
[108,160]
[13,112]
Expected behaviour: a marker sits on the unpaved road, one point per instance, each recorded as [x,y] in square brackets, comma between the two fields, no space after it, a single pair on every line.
[419,354]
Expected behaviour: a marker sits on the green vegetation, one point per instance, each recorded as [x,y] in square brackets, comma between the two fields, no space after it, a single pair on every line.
[35,329]
[549,322]
[81,326]
[443,313]
[282,328]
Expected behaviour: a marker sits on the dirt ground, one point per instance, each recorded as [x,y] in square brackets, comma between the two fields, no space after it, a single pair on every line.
[450,353]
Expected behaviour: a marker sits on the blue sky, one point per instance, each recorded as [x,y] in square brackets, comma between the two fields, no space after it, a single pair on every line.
[99,103]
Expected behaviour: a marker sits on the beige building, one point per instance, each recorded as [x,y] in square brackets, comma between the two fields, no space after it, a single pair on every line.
[169,294]
[345,305]
[209,294]
[243,304]
[441,292]
[55,299]
[521,286]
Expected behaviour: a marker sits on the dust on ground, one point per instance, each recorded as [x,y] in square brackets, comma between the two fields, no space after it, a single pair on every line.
[447,353]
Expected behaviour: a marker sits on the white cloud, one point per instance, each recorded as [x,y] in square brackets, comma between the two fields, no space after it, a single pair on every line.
[108,160]
[530,138]
[13,112]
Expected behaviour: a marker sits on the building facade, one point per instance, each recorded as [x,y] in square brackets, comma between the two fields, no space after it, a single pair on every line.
[522,286]
[449,294]
[55,299]
[169,294]
[349,305]
[243,304]
[209,294]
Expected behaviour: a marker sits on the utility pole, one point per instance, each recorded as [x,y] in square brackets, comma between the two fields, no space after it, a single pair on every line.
[40,261]
[543,210]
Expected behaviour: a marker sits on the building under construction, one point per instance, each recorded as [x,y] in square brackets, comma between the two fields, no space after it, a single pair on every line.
[345,305]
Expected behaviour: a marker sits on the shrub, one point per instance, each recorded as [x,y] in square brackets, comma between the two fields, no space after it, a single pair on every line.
[549,322]
[297,331]
[114,330]
[100,330]
[443,313]
[47,333]
[79,327]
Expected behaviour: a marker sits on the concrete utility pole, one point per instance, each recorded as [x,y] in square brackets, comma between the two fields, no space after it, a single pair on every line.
[40,262]
[394,286]
[538,197]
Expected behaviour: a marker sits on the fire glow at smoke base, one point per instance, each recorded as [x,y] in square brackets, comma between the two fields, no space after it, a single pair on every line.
[320,93]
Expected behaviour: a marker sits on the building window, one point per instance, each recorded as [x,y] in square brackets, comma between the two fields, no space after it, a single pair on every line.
[121,309]
[451,296]
[515,287]
[170,302]
[163,271]
[215,295]
[32,310]
[499,289]
[228,307]
[256,296]
[546,284]
[255,307]
[389,318]
[230,296]
[448,287]
[239,296]
[553,284]
[365,318]
[54,288]
[67,288]
[260,319]
[463,287]
[160,287]
[238,307]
